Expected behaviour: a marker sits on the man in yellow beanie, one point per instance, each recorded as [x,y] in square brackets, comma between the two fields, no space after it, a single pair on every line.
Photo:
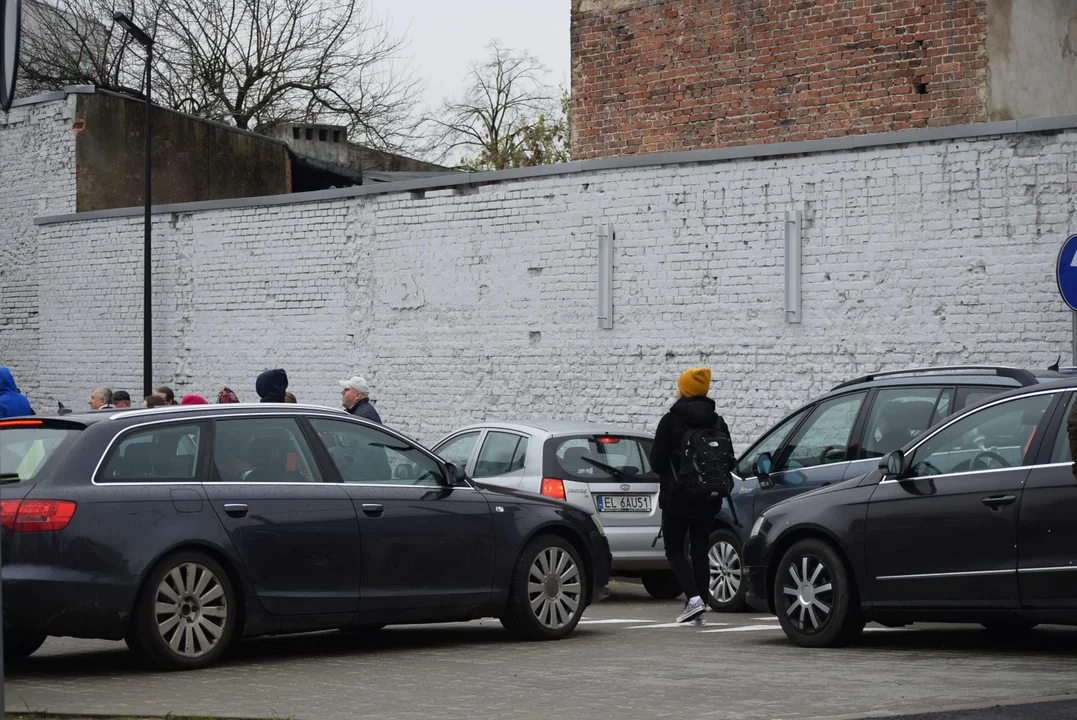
[688,512]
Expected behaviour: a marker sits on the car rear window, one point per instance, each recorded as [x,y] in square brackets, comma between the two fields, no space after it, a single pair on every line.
[598,458]
[26,445]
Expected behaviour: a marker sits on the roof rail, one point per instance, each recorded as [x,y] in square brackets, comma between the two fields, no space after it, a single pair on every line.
[165,409]
[1023,377]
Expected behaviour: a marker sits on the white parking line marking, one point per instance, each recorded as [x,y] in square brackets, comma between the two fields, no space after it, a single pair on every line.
[670,625]
[773,618]
[611,621]
[747,628]
[886,629]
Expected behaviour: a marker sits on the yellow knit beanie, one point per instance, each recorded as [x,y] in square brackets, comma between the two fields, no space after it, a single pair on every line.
[695,381]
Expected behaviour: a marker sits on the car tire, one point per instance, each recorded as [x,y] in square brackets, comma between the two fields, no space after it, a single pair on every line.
[815,596]
[186,613]
[662,585]
[727,583]
[19,645]
[547,592]
[1009,627]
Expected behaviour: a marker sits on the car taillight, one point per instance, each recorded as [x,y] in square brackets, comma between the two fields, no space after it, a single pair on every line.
[608,440]
[552,487]
[36,515]
[20,423]
[8,510]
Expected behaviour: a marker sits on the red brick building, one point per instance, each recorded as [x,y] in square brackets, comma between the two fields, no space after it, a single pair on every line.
[667,75]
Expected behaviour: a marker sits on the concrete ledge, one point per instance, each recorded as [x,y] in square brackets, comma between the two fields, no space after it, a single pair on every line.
[54,96]
[742,152]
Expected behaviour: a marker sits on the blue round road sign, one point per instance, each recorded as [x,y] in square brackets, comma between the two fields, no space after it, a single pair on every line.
[1066,271]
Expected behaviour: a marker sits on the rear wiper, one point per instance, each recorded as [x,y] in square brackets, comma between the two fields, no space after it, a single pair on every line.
[608,468]
[9,477]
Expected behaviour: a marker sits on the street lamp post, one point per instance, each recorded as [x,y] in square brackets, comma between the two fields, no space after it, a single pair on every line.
[147,281]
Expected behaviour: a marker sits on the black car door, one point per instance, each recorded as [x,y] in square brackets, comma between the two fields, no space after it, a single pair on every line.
[944,534]
[297,536]
[1047,532]
[817,453]
[425,545]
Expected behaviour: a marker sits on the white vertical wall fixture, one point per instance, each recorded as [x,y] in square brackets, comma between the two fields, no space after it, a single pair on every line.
[792,266]
[605,277]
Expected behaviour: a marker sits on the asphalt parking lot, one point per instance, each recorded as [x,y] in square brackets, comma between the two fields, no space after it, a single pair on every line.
[626,660]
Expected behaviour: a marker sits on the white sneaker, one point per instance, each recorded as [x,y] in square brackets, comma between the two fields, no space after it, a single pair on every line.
[699,621]
[692,609]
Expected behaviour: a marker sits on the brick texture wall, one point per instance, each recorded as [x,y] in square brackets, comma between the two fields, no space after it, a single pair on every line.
[462,307]
[37,177]
[667,75]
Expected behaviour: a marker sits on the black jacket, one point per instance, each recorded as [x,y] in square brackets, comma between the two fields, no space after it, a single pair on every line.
[365,409]
[693,412]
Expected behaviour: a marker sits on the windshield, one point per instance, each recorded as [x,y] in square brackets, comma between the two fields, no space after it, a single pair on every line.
[598,458]
[24,450]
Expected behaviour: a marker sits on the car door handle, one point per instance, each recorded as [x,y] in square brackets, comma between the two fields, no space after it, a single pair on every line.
[997,502]
[236,510]
[373,509]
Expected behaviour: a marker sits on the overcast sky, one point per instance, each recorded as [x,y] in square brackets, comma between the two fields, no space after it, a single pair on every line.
[446,35]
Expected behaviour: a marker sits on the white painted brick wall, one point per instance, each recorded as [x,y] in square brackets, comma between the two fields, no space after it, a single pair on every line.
[461,308]
[37,177]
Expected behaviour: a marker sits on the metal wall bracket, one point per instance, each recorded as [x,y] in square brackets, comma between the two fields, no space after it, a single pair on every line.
[792,266]
[605,277]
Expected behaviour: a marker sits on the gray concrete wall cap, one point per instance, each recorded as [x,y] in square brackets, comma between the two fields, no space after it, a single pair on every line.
[450,180]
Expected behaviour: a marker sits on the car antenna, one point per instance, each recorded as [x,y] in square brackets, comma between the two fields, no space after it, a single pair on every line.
[63,410]
[1054,368]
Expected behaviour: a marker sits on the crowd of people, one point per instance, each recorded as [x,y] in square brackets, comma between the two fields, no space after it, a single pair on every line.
[271,386]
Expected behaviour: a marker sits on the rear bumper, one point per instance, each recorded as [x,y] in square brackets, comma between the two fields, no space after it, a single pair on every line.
[601,561]
[634,548]
[64,602]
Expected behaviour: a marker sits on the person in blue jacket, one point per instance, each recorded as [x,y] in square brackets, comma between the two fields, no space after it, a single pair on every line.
[12,402]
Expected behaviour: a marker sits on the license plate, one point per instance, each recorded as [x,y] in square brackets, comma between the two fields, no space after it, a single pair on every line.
[624,503]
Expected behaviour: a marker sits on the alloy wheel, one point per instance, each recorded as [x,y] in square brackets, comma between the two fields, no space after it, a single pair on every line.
[809,592]
[725,570]
[553,587]
[191,610]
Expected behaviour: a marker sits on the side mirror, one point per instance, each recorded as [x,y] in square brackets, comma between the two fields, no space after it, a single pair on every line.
[762,467]
[455,475]
[894,463]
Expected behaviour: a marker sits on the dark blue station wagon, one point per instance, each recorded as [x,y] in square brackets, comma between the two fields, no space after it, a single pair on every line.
[182,529]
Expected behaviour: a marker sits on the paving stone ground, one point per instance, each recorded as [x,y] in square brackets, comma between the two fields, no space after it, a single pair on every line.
[625,661]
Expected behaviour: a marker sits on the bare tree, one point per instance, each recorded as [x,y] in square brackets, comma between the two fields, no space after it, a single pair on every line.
[252,63]
[507,117]
[74,42]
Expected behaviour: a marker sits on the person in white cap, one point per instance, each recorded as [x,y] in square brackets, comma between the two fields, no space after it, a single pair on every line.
[356,397]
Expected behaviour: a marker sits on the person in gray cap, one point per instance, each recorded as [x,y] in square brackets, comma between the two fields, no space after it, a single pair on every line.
[356,399]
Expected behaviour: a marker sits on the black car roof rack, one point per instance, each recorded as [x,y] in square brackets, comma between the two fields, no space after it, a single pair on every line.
[1023,377]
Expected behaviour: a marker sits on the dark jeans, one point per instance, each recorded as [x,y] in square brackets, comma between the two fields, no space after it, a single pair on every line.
[693,577]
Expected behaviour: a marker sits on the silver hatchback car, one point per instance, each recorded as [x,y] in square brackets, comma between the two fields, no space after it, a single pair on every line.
[601,468]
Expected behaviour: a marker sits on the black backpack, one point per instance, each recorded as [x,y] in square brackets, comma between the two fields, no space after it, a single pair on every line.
[703,470]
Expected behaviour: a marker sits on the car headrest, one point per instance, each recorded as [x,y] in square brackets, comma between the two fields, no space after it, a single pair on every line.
[267,452]
[574,460]
[140,460]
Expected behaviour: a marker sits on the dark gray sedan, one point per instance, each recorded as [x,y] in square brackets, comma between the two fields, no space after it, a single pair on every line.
[182,529]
